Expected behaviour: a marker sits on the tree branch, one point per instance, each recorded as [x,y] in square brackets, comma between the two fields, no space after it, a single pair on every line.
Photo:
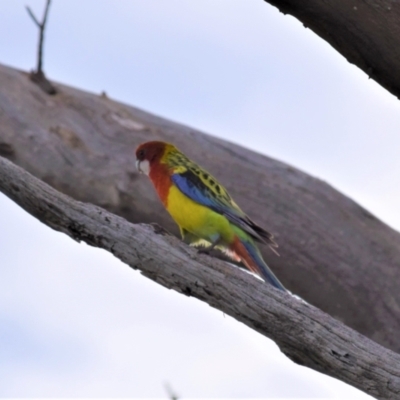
[334,253]
[366,33]
[305,334]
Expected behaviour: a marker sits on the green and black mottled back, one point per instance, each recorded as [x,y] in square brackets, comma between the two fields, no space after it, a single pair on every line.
[203,188]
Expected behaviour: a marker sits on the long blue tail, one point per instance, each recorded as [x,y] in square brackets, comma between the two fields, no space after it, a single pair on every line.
[251,256]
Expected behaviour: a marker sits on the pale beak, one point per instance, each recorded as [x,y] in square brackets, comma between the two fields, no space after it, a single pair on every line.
[143,166]
[138,166]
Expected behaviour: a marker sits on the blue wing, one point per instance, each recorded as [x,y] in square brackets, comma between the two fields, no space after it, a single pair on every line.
[204,189]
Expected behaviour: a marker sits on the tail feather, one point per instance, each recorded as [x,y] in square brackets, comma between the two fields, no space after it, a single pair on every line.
[262,236]
[251,257]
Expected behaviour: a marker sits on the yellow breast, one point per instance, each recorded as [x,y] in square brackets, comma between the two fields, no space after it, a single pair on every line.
[195,218]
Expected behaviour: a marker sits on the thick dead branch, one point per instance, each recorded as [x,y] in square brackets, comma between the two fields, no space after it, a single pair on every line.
[365,32]
[334,253]
[38,76]
[305,334]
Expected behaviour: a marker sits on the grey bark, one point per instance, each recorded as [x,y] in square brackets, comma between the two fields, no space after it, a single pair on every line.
[365,32]
[334,253]
[305,334]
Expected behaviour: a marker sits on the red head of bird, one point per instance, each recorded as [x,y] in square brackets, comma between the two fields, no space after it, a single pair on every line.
[151,159]
[149,155]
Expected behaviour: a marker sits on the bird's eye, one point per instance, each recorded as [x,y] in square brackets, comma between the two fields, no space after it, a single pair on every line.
[141,154]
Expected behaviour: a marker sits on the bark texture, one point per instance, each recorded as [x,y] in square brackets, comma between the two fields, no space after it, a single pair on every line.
[334,254]
[305,334]
[365,32]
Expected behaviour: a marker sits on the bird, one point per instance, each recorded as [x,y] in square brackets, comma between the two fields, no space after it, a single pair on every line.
[203,209]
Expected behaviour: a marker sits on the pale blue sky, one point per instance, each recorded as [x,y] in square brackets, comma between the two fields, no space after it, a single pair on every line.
[76,322]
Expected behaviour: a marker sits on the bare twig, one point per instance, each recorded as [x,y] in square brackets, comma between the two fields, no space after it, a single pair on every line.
[304,333]
[38,76]
[30,12]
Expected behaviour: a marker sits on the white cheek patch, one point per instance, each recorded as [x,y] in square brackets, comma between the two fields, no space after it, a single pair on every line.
[144,166]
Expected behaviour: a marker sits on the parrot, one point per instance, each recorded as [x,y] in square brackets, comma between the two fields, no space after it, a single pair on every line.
[203,209]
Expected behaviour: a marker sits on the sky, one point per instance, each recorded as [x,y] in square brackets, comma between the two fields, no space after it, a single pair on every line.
[76,322]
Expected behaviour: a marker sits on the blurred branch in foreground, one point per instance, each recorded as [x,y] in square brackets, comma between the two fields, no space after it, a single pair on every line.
[171,393]
[366,33]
